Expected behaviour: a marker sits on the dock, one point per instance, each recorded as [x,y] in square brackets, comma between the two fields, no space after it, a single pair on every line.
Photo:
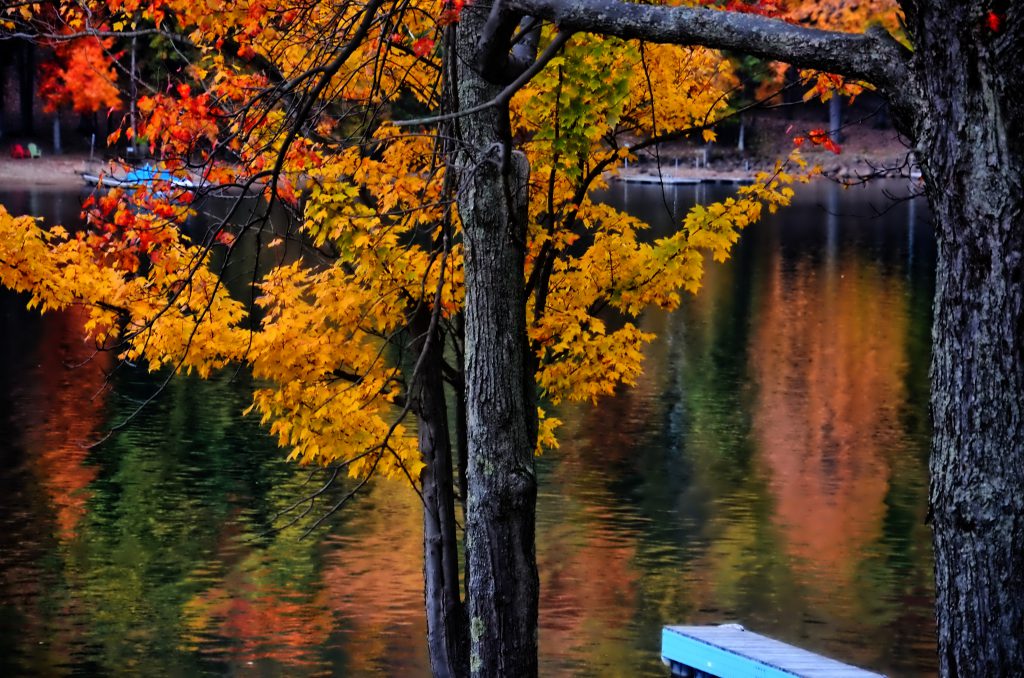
[666,179]
[670,179]
[730,651]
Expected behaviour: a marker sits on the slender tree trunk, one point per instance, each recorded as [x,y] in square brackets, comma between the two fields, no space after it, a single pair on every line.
[57,146]
[27,92]
[133,95]
[447,639]
[3,88]
[971,147]
[500,400]
[835,118]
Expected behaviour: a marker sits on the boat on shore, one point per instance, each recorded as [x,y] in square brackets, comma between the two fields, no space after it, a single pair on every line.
[140,177]
[163,180]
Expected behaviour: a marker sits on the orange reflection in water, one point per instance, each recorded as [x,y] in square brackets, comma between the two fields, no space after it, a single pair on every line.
[586,549]
[64,412]
[257,607]
[283,602]
[829,358]
[374,573]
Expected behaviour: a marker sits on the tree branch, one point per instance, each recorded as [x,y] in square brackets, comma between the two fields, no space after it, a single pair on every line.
[873,57]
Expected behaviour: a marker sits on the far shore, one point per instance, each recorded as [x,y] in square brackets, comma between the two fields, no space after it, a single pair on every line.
[48,172]
[64,172]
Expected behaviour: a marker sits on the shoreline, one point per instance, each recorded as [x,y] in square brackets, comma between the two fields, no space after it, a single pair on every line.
[64,172]
[49,172]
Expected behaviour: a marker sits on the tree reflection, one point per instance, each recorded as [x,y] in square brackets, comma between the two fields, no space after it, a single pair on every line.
[63,413]
[830,363]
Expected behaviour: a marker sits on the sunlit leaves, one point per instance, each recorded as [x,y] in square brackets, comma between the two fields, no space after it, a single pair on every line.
[81,75]
[267,103]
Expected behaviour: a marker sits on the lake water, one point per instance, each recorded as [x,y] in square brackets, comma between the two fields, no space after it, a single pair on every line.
[769,468]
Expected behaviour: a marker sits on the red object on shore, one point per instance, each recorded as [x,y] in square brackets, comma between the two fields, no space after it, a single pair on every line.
[18,152]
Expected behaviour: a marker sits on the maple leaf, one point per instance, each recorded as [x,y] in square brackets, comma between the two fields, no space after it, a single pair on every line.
[820,137]
[422,46]
[993,21]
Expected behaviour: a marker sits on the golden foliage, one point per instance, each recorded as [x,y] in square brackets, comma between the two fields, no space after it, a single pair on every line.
[372,200]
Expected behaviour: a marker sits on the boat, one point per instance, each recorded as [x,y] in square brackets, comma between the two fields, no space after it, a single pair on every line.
[139,177]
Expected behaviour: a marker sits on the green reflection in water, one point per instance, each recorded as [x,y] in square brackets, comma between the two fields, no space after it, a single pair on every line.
[768,468]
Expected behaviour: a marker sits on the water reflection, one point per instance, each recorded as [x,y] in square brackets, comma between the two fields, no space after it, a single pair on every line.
[769,467]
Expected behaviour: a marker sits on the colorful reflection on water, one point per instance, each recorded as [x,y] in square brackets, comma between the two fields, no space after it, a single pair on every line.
[769,468]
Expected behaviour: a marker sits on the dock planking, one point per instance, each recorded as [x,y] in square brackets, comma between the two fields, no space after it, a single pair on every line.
[670,179]
[729,651]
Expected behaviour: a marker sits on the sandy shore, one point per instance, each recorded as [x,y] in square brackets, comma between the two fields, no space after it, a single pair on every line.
[865,152]
[47,172]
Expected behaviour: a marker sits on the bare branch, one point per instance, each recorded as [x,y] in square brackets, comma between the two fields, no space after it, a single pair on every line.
[873,57]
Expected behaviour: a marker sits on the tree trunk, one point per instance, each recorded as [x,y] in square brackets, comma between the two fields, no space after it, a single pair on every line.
[447,640]
[57,147]
[835,118]
[969,144]
[27,91]
[500,401]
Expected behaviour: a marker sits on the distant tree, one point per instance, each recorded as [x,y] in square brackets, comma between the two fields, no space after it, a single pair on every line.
[80,76]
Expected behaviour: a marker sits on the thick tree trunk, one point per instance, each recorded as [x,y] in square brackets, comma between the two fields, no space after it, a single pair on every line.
[969,143]
[977,463]
[447,638]
[500,408]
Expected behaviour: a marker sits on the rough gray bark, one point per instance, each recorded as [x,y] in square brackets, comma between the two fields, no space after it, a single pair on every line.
[500,408]
[446,619]
[873,56]
[969,144]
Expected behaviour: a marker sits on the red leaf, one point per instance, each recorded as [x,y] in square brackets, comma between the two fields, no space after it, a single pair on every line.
[994,21]
[832,146]
[817,136]
[452,10]
[820,137]
[422,47]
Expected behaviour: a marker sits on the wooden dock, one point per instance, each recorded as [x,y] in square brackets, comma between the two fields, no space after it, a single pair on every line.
[664,179]
[729,651]
[670,179]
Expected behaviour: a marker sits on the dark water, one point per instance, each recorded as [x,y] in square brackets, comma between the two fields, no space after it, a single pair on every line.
[769,468]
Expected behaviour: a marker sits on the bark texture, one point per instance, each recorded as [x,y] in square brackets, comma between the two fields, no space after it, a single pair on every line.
[969,143]
[873,56]
[447,639]
[500,401]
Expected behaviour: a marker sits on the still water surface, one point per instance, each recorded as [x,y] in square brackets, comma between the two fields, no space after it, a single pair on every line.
[768,468]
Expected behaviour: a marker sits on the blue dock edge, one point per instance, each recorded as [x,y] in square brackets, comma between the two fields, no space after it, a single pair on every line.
[730,651]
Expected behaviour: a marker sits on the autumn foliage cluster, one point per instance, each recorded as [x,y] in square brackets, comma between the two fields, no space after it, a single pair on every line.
[304,109]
